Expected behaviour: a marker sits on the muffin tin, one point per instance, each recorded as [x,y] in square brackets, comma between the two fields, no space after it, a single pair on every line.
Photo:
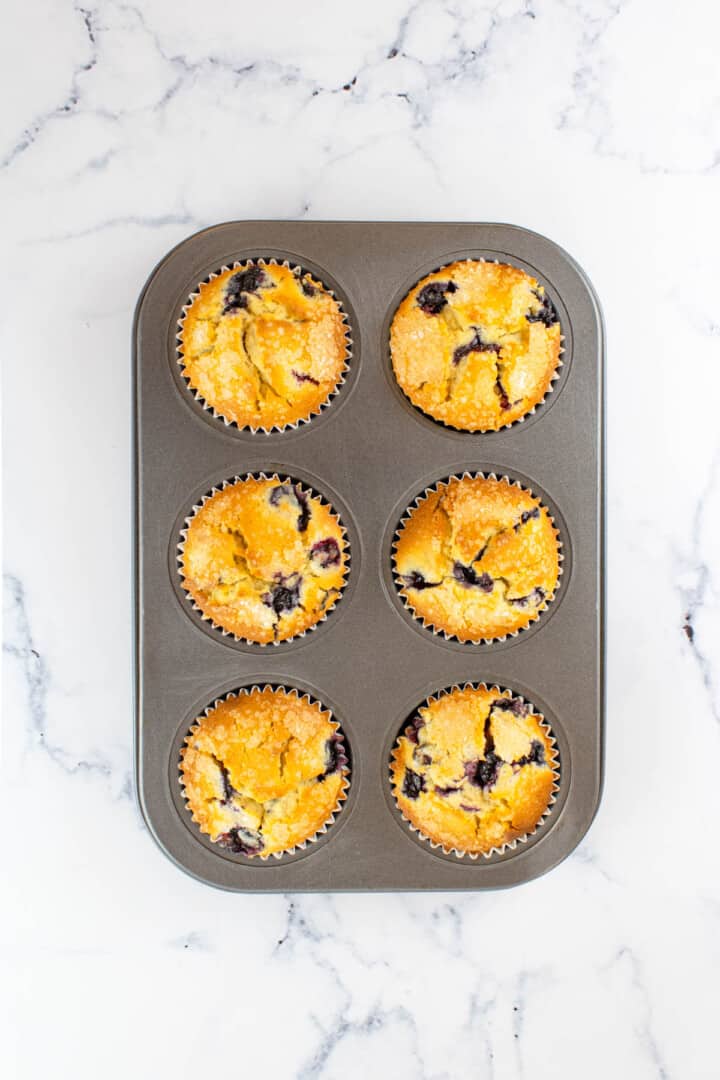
[370,453]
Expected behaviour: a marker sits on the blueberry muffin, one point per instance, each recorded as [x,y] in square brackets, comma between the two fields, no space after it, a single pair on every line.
[264,771]
[475,770]
[263,345]
[476,344]
[477,558]
[264,559]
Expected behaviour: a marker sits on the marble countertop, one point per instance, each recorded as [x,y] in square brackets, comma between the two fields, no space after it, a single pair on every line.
[126,128]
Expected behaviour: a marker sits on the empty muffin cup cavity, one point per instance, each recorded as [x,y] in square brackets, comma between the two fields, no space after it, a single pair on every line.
[475,772]
[263,345]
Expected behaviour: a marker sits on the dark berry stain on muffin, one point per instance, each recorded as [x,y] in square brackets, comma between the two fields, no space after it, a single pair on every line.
[228,789]
[326,552]
[303,503]
[501,393]
[535,757]
[308,288]
[298,496]
[467,576]
[284,597]
[301,377]
[411,731]
[242,283]
[513,705]
[432,297]
[535,597]
[282,491]
[415,580]
[334,757]
[413,784]
[483,773]
[242,841]
[546,314]
[476,344]
[526,516]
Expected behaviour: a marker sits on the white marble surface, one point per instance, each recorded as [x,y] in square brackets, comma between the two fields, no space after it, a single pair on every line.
[124,128]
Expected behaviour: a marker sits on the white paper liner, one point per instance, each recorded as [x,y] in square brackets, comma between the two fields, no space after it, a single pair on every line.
[300,272]
[553,378]
[311,493]
[344,767]
[554,763]
[397,577]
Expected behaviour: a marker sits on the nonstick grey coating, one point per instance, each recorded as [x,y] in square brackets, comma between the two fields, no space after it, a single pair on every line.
[370,453]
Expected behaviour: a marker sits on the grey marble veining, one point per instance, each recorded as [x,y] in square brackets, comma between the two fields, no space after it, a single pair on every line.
[123,129]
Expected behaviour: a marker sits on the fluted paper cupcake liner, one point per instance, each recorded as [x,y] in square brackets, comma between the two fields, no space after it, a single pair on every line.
[300,272]
[306,490]
[397,577]
[531,412]
[343,763]
[554,763]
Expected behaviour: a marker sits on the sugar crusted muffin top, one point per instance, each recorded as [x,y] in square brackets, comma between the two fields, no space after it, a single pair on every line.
[263,345]
[475,770]
[477,558]
[264,771]
[264,559]
[476,344]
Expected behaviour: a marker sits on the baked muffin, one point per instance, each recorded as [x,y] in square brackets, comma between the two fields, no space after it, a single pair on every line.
[263,345]
[264,559]
[476,344]
[477,558]
[264,771]
[475,770]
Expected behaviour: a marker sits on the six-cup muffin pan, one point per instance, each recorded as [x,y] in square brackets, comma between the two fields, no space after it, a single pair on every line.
[369,453]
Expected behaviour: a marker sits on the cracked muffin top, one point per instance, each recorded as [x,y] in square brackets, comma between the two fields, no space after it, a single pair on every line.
[477,558]
[476,344]
[263,345]
[264,770]
[264,559]
[474,770]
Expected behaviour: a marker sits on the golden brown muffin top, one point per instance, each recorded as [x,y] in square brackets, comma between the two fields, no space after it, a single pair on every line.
[263,345]
[477,558]
[264,771]
[476,344]
[264,559]
[475,770]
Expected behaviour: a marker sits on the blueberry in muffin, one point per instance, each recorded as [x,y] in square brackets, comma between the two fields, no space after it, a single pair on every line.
[264,771]
[263,345]
[475,770]
[477,558]
[476,345]
[264,559]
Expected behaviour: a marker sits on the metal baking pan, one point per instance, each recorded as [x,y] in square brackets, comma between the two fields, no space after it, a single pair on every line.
[370,453]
